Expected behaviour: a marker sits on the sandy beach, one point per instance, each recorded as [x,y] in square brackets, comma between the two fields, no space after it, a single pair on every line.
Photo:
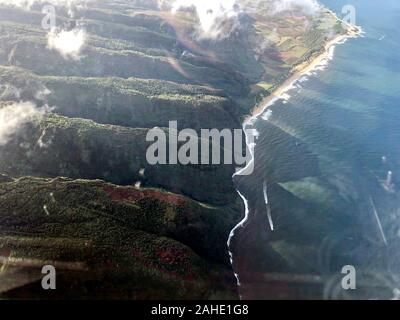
[304,69]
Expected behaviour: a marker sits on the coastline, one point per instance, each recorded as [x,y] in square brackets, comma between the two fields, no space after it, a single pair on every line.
[299,71]
[302,70]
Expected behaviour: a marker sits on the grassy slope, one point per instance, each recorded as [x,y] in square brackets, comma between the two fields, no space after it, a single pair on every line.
[116,234]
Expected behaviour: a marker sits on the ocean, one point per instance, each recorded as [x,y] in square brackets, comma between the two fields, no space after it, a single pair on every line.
[325,191]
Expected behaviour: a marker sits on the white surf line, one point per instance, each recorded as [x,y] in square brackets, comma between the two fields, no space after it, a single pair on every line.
[239,225]
[271,223]
[303,76]
[378,220]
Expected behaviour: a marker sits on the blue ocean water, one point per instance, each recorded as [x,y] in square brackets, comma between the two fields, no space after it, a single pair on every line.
[330,158]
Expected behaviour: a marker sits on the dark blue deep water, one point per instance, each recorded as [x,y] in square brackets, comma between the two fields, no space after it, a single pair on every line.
[329,158]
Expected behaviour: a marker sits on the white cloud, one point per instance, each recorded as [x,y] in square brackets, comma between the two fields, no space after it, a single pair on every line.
[15,115]
[9,92]
[213,14]
[71,5]
[68,43]
[29,3]
[310,7]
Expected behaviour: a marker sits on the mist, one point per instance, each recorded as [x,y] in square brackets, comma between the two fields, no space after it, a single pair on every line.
[29,3]
[310,7]
[213,15]
[15,115]
[68,43]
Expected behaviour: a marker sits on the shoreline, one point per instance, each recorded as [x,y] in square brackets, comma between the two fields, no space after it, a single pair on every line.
[301,70]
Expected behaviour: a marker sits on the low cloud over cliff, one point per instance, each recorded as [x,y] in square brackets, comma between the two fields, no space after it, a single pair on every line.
[15,115]
[219,18]
[68,43]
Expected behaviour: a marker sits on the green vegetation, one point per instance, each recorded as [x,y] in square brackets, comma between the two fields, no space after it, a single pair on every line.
[142,237]
[140,68]
[77,148]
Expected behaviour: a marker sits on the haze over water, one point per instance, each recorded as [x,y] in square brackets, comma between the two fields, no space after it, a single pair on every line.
[330,158]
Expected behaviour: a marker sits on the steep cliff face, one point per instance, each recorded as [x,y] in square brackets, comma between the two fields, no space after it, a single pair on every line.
[141,65]
[55,146]
[132,102]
